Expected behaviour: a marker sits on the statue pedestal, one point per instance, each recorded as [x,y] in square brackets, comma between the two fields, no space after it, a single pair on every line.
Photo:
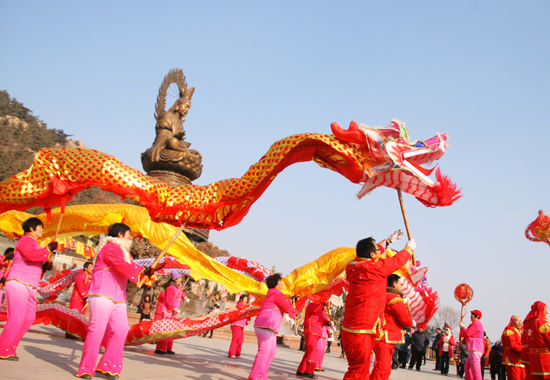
[176,179]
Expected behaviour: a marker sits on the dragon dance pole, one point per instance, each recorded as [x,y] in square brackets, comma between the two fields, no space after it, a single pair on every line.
[400,196]
[162,253]
[58,225]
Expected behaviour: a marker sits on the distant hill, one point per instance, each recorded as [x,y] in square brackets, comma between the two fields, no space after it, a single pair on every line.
[22,134]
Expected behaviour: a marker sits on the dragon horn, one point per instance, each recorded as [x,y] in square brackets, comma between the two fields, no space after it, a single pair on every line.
[352,135]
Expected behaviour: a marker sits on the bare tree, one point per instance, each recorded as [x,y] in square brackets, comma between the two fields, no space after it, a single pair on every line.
[444,315]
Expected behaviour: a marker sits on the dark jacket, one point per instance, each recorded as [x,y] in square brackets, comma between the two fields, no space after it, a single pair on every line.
[419,341]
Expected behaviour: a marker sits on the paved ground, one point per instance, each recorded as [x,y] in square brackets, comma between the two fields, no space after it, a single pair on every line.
[45,354]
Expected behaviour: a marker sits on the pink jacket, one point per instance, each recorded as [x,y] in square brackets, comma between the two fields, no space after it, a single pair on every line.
[169,301]
[271,312]
[474,337]
[241,322]
[27,261]
[315,320]
[111,274]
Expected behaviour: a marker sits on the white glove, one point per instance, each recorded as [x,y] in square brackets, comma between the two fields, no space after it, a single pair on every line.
[411,244]
[396,235]
[462,325]
[414,323]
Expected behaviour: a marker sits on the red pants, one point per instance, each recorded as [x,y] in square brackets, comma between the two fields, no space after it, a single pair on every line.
[309,361]
[166,344]
[236,341]
[358,349]
[540,365]
[382,365]
[515,373]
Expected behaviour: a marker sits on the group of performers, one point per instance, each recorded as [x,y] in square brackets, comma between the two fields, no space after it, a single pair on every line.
[527,345]
[376,313]
[105,296]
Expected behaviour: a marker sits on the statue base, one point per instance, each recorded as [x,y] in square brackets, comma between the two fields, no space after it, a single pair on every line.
[176,179]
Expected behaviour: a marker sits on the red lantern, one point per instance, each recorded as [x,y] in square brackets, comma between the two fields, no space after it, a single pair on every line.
[464,293]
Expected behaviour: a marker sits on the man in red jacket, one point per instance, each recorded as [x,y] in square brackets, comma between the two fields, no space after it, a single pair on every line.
[511,341]
[397,316]
[366,300]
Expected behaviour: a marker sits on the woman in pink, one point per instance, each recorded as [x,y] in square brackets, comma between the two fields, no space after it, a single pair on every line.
[314,321]
[108,325]
[321,350]
[267,325]
[168,305]
[21,286]
[237,329]
[475,346]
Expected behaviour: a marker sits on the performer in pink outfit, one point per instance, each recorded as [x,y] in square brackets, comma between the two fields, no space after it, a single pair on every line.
[168,304]
[314,321]
[107,300]
[322,349]
[82,283]
[475,346]
[267,325]
[237,329]
[21,284]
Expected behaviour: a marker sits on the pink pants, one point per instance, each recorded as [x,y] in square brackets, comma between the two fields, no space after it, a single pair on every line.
[108,327]
[267,348]
[21,303]
[236,341]
[309,361]
[321,350]
[472,367]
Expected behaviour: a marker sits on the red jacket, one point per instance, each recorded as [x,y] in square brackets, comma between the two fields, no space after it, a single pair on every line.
[452,343]
[395,318]
[511,341]
[538,341]
[315,319]
[366,300]
[82,283]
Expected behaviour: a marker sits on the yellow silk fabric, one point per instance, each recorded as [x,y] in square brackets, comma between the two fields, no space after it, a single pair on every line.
[94,219]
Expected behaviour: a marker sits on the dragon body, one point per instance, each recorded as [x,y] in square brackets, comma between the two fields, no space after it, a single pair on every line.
[371,156]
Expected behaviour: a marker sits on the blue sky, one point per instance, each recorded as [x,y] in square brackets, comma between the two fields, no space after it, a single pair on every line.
[266,70]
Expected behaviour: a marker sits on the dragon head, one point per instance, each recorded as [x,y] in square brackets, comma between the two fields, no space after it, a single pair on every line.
[399,162]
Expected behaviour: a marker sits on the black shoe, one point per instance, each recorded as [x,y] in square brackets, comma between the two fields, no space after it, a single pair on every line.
[87,377]
[308,375]
[170,352]
[12,358]
[319,369]
[159,352]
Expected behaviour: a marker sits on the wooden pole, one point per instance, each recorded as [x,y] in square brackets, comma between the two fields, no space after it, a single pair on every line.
[162,253]
[58,225]
[404,213]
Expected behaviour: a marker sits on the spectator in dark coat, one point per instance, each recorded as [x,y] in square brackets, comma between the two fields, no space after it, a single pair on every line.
[404,350]
[419,343]
[495,361]
[435,347]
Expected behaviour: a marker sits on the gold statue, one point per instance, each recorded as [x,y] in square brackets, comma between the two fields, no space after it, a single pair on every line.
[170,151]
